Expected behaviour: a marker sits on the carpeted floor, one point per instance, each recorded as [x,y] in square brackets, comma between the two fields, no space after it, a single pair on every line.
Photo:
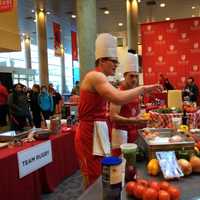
[70,189]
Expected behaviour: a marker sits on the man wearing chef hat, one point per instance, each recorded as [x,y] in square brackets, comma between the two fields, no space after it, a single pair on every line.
[124,117]
[92,140]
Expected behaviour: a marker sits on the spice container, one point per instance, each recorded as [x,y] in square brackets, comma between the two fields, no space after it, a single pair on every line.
[112,178]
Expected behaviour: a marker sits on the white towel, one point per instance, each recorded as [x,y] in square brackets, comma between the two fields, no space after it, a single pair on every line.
[101,143]
[118,137]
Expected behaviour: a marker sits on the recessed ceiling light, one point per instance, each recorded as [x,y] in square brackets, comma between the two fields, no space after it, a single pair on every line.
[120,24]
[32,11]
[193,7]
[74,16]
[167,18]
[162,5]
[48,12]
[139,1]
[34,20]
[106,12]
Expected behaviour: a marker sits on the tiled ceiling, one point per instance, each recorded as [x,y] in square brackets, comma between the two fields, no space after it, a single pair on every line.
[61,11]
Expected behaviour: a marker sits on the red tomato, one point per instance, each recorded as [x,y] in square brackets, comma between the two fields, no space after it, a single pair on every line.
[139,190]
[143,182]
[163,195]
[164,185]
[155,185]
[150,194]
[174,192]
[130,186]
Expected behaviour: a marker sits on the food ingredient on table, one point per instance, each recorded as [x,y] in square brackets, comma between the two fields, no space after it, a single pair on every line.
[153,167]
[195,162]
[185,166]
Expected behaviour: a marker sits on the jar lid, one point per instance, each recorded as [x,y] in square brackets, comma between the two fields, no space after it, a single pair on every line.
[111,160]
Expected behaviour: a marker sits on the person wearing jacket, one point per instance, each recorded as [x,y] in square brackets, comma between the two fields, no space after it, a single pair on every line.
[3,104]
[45,102]
[19,109]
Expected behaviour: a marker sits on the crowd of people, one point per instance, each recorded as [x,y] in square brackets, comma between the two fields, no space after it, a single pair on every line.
[28,107]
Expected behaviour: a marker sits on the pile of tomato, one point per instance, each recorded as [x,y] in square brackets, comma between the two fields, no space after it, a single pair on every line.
[152,190]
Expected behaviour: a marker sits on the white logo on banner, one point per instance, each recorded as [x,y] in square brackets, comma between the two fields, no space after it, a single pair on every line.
[183,57]
[183,60]
[184,37]
[149,51]
[171,28]
[196,23]
[160,39]
[195,68]
[183,79]
[149,69]
[172,25]
[196,45]
[196,48]
[149,27]
[160,60]
[148,30]
[171,49]
[195,26]
[171,69]
[33,158]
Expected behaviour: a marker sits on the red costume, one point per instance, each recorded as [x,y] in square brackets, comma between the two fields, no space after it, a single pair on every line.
[92,107]
[131,109]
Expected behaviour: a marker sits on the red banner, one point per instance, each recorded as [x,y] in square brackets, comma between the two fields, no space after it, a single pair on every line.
[57,39]
[6,5]
[171,48]
[74,46]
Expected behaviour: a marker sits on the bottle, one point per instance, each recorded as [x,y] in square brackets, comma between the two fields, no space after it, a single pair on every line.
[112,178]
[184,118]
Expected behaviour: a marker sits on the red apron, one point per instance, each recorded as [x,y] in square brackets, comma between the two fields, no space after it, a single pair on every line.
[92,108]
[131,109]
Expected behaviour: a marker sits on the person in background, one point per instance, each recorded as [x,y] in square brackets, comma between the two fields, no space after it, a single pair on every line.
[35,107]
[168,85]
[191,90]
[76,89]
[124,117]
[74,98]
[45,102]
[57,100]
[95,92]
[3,104]
[19,109]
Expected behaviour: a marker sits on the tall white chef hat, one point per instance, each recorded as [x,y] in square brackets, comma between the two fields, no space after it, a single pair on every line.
[131,63]
[106,46]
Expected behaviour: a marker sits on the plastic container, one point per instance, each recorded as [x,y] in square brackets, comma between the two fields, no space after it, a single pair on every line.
[112,178]
[129,152]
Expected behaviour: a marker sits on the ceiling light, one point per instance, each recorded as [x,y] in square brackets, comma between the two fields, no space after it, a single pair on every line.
[167,18]
[193,7]
[106,12]
[120,24]
[193,15]
[48,12]
[162,5]
[74,16]
[34,20]
[32,11]
[139,1]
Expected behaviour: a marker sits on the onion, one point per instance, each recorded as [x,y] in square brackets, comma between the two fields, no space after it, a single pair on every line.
[185,166]
[195,162]
[176,138]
